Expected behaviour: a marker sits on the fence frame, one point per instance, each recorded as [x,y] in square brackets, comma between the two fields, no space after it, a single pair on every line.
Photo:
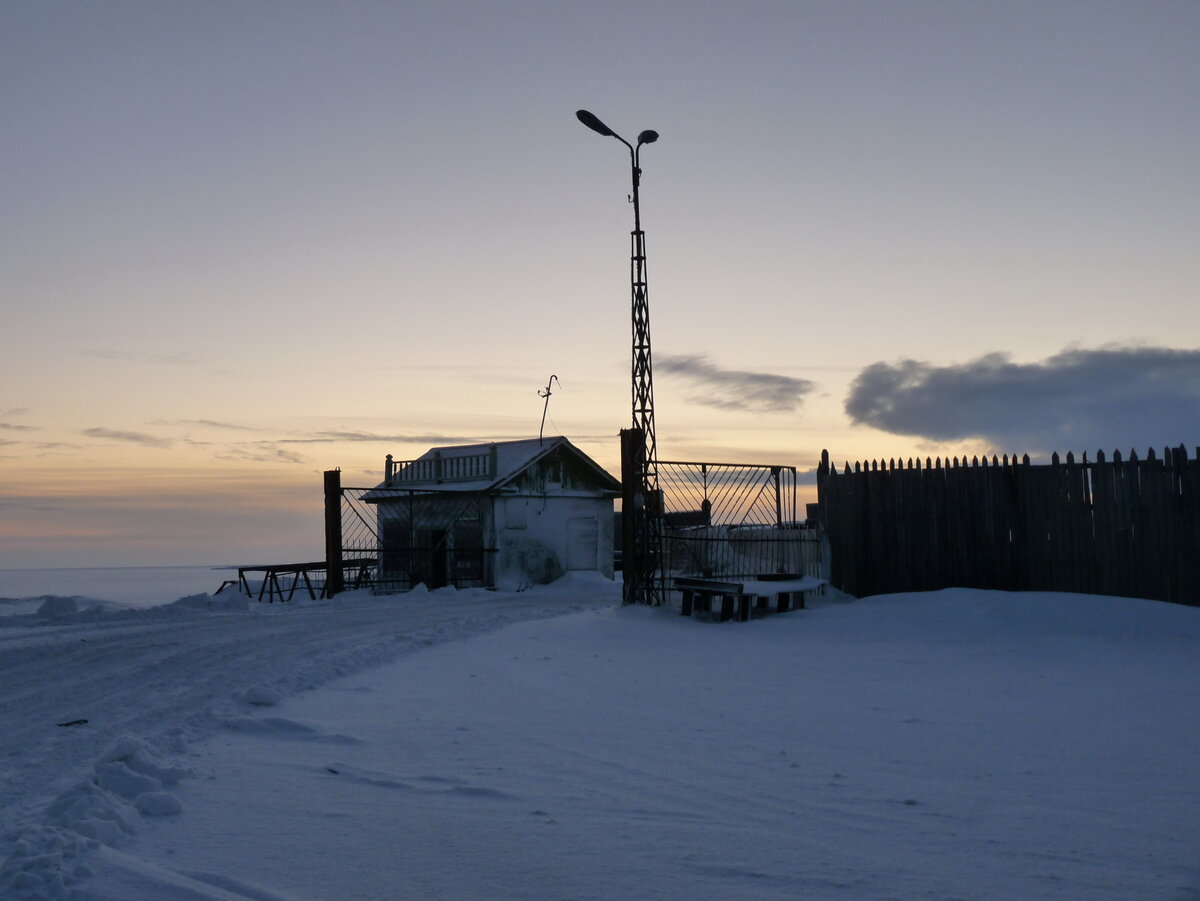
[354,536]
[733,521]
[1118,525]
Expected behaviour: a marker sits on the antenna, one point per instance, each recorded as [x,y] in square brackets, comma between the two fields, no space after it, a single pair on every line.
[545,392]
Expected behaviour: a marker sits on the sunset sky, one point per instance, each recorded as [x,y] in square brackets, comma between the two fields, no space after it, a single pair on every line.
[245,242]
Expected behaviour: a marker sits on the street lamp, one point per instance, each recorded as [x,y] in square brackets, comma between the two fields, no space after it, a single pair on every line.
[643,535]
[646,137]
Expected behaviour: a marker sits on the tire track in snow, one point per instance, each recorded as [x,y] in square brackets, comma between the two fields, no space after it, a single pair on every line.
[172,677]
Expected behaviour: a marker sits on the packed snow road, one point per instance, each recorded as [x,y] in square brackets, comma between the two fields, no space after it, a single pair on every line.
[171,675]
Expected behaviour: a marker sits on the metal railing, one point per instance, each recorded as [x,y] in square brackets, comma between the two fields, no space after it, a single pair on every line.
[734,520]
[437,468]
[416,537]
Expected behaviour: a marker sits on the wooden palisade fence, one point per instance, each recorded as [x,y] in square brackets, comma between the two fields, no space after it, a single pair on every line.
[1127,527]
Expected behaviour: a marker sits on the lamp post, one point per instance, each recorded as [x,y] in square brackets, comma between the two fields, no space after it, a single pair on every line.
[643,535]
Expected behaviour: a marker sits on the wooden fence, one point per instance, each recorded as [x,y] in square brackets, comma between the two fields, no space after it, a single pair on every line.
[1127,527]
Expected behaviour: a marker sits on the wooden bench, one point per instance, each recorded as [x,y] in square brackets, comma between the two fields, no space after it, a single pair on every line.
[750,595]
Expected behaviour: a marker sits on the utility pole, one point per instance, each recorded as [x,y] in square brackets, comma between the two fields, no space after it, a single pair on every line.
[643,581]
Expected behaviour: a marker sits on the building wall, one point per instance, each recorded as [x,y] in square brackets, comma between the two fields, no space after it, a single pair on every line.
[541,537]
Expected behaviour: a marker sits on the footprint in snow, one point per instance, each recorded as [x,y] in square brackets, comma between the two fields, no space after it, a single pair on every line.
[260,696]
[365,777]
[476,791]
[289,730]
[234,887]
[439,785]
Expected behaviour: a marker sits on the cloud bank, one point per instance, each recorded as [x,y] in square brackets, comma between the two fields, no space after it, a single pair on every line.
[1106,398]
[735,389]
[209,423]
[130,437]
[260,452]
[329,437]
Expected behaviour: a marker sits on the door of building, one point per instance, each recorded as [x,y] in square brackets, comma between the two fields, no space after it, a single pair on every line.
[582,533]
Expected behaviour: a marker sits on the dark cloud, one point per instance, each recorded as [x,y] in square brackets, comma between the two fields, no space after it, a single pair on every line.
[735,389]
[130,437]
[1112,397]
[9,427]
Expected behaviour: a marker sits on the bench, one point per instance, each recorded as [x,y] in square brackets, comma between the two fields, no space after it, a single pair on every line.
[749,595]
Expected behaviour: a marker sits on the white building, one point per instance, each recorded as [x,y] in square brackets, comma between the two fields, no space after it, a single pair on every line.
[504,514]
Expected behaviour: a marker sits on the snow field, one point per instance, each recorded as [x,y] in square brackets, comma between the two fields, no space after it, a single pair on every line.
[956,744]
[953,745]
[94,698]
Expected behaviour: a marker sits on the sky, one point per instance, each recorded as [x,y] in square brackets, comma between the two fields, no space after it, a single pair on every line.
[243,243]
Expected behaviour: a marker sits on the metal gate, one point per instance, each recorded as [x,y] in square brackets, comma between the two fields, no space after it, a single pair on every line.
[393,539]
[733,520]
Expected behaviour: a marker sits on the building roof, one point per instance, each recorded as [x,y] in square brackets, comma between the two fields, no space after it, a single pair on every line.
[485,467]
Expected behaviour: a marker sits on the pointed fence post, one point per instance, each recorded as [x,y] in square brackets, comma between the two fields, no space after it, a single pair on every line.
[778,497]
[334,579]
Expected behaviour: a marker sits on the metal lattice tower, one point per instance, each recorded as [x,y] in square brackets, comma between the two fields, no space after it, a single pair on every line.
[649,589]
[645,586]
[642,370]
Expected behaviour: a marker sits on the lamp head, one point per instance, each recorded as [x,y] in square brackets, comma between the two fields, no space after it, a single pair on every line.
[648,137]
[595,124]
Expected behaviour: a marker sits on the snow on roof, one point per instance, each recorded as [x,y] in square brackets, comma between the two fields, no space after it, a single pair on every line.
[483,467]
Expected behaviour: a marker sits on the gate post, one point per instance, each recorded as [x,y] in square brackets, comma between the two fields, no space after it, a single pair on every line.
[778,497]
[633,501]
[334,574]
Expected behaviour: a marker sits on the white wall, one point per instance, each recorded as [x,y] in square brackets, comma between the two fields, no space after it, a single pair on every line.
[534,536]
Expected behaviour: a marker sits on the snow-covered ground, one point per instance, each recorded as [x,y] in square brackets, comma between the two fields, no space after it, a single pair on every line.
[551,744]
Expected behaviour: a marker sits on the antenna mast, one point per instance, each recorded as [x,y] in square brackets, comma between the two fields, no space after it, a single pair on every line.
[545,392]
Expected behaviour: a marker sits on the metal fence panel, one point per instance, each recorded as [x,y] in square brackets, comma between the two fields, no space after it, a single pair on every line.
[417,537]
[725,520]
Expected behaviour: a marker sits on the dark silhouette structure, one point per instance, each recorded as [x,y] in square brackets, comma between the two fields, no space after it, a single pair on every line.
[1124,526]
[641,500]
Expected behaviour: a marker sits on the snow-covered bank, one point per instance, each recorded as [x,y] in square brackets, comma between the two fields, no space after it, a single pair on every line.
[75,680]
[22,590]
[957,744]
